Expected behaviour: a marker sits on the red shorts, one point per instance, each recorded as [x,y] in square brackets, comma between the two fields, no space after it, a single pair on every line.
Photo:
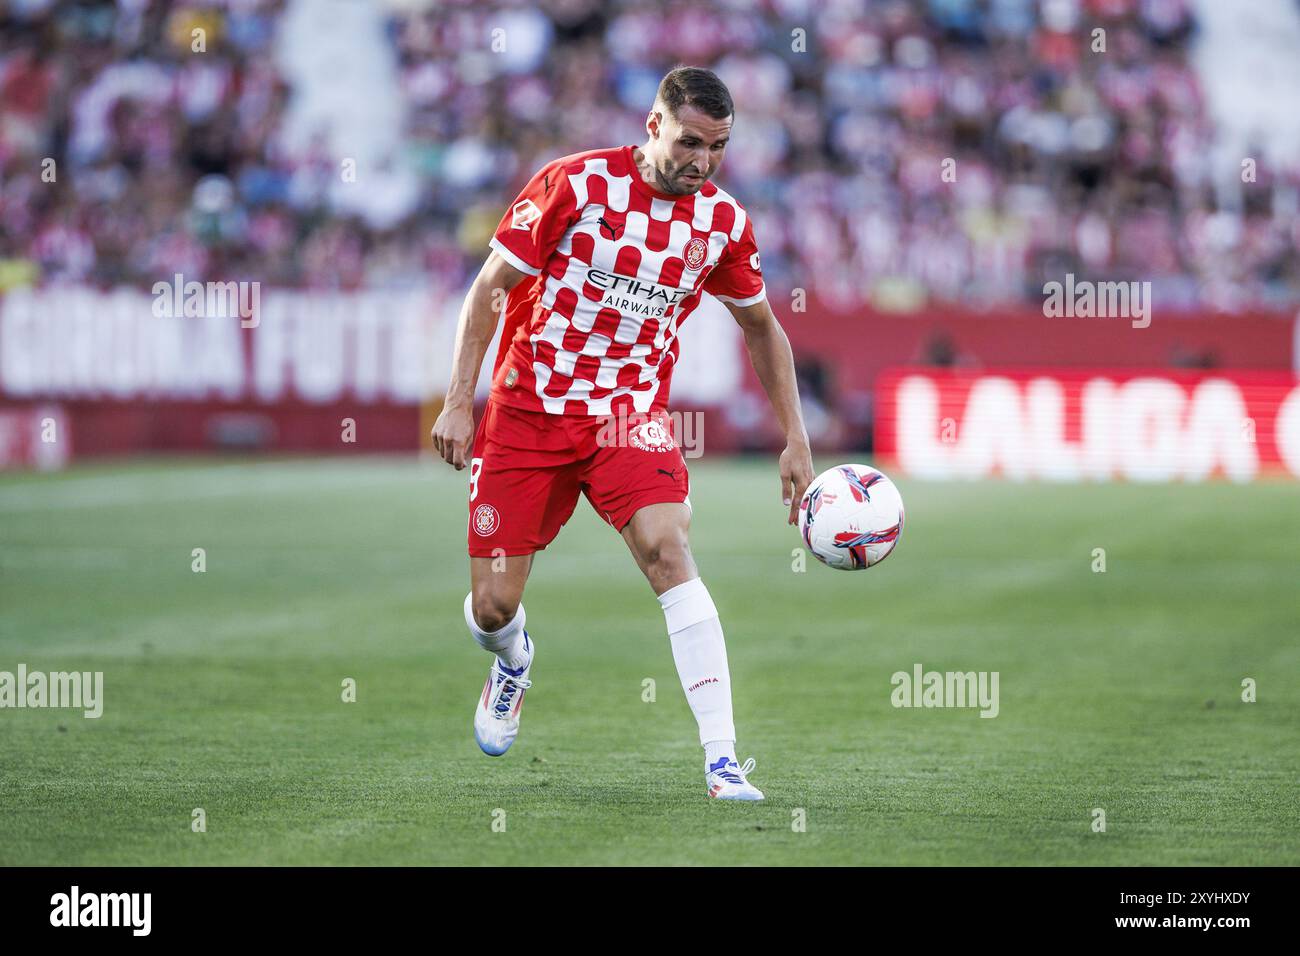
[528,467]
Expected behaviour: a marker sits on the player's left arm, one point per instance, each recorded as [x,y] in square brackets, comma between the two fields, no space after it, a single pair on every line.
[773,361]
[737,281]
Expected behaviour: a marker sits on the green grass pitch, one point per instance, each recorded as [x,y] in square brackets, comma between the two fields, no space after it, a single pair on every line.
[223,689]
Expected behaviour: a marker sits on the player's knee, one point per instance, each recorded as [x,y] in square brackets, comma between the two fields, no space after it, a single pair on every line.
[494,611]
[668,557]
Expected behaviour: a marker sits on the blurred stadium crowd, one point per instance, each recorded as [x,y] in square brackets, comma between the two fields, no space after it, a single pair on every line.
[166,160]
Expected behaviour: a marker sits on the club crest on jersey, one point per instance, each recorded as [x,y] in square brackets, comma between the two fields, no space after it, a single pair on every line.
[524,214]
[486,520]
[650,436]
[697,250]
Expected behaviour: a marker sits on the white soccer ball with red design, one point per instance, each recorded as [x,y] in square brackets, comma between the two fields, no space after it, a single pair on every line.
[851,517]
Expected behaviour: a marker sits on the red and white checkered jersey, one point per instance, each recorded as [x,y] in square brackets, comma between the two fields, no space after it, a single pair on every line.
[617,267]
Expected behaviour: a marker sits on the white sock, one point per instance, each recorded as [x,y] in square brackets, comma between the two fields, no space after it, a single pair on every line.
[700,653]
[509,644]
[716,750]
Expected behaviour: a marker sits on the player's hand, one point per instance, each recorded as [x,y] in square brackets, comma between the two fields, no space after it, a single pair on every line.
[796,475]
[453,434]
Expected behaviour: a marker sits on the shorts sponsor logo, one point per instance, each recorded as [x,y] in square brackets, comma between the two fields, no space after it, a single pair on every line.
[486,520]
[697,250]
[650,436]
[673,430]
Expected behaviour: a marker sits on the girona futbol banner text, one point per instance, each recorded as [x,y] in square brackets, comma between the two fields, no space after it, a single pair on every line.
[1089,425]
[261,368]
[315,347]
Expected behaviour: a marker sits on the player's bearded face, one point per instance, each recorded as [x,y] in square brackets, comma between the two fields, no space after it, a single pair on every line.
[693,144]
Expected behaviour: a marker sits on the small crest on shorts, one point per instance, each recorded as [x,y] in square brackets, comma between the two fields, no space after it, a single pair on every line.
[486,520]
[512,376]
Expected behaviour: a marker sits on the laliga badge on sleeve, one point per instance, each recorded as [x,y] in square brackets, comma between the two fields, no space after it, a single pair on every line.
[512,376]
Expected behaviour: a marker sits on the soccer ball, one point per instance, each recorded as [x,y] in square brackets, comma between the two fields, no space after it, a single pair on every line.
[851,517]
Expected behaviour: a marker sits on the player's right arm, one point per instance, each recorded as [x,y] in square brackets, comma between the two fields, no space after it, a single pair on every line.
[453,432]
[525,238]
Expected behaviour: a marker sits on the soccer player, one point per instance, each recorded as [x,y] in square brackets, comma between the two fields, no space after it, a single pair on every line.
[602,257]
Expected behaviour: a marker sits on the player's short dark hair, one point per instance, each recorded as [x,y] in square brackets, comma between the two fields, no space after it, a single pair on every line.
[693,86]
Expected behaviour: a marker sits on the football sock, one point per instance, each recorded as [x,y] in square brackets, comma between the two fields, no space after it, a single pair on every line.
[700,653]
[715,750]
[509,644]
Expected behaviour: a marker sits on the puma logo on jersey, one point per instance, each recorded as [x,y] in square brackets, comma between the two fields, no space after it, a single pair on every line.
[613,230]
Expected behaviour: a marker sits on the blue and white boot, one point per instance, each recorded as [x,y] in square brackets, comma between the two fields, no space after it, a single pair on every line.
[496,720]
[726,780]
